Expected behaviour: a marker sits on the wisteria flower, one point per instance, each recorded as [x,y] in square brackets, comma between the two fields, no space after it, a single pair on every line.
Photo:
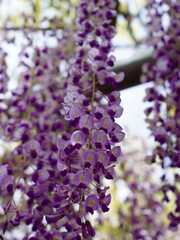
[99,138]
[78,139]
[75,112]
[91,203]
[106,124]
[82,178]
[89,158]
[102,158]
[33,148]
[86,123]
[115,111]
[62,167]
[105,202]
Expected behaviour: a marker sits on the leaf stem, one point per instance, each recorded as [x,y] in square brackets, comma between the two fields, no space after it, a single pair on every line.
[93,93]
[82,194]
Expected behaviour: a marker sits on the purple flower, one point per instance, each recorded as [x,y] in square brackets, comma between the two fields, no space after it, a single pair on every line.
[105,202]
[71,96]
[111,61]
[75,112]
[102,158]
[102,75]
[86,123]
[62,168]
[114,98]
[62,144]
[115,111]
[117,136]
[99,138]
[99,112]
[119,77]
[91,203]
[93,53]
[6,181]
[89,158]
[43,175]
[90,229]
[109,172]
[82,178]
[33,148]
[61,154]
[106,124]
[116,151]
[163,64]
[78,139]
[52,218]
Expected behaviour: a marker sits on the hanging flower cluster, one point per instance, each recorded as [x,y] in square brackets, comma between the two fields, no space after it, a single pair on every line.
[64,133]
[163,116]
[3,69]
[136,210]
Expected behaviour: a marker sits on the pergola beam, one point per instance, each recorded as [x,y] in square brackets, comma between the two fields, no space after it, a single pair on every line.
[132,71]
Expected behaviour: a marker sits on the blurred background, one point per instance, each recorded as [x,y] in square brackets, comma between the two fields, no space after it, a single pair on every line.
[136,208]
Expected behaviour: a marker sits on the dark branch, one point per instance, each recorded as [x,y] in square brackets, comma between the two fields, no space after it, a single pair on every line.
[132,72]
[30,28]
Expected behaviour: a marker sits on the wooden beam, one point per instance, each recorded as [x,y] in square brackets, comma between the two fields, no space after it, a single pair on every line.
[132,71]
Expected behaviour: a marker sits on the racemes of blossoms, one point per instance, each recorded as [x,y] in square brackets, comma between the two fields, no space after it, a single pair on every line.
[87,152]
[3,74]
[64,134]
[136,210]
[163,114]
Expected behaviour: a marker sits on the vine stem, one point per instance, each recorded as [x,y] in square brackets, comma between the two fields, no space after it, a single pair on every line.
[23,159]
[93,94]
[82,194]
[37,11]
[92,103]
[11,198]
